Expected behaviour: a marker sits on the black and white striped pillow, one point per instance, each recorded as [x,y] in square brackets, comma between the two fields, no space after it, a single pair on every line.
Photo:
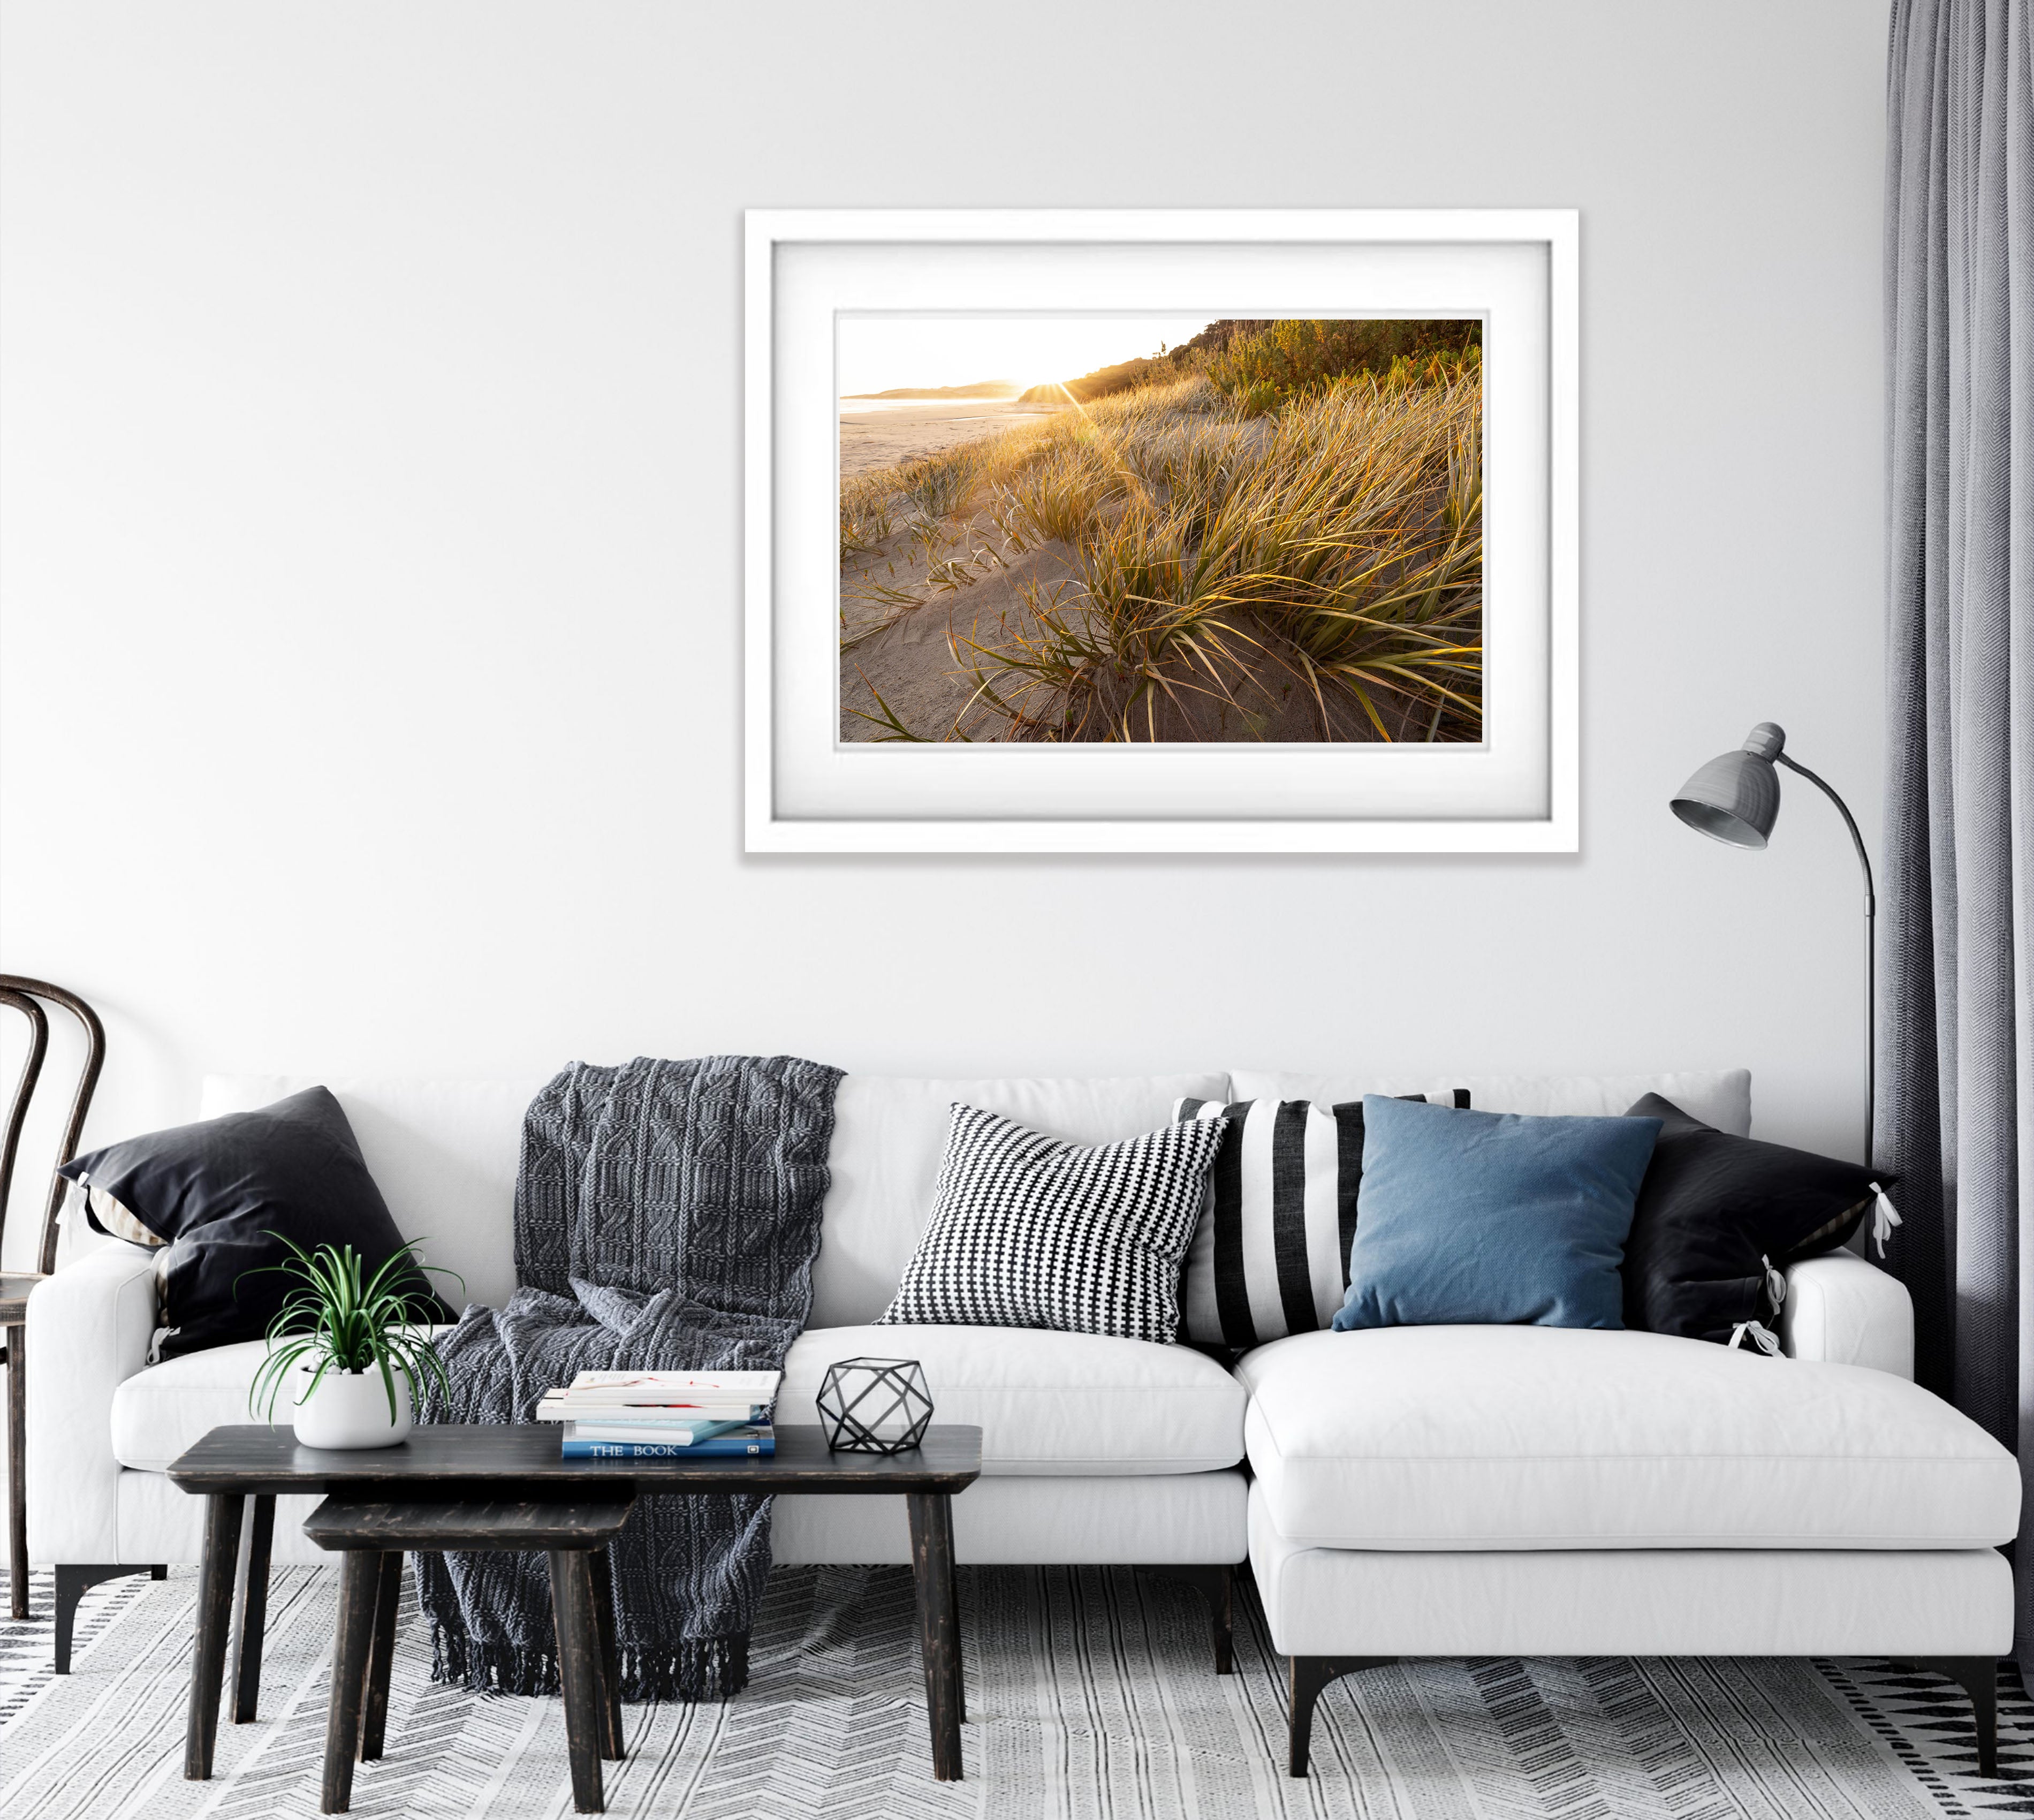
[1028,1231]
[1270,1255]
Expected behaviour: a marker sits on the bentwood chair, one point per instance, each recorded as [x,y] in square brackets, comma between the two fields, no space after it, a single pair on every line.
[25,995]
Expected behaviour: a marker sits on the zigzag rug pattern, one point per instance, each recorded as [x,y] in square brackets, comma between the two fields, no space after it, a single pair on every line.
[1090,1696]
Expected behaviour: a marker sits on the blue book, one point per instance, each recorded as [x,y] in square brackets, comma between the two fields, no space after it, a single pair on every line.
[721,1445]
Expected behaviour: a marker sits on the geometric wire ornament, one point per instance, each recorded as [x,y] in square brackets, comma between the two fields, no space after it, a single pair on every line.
[875,1405]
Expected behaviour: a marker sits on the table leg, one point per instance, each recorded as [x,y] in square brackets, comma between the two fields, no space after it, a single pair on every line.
[359,1574]
[610,1654]
[939,1624]
[387,1597]
[254,1613]
[17,1469]
[215,1617]
[953,1599]
[579,1669]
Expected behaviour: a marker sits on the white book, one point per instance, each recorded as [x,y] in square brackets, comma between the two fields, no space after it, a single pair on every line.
[653,1415]
[629,1431]
[676,1387]
[558,1406]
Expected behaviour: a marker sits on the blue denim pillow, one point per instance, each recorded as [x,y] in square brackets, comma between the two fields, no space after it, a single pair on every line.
[1481,1219]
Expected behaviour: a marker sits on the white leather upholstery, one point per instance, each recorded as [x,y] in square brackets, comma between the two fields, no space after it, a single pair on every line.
[1189,1517]
[1048,1404]
[89,1327]
[1442,1438]
[1719,1097]
[1625,1602]
[1841,1310]
[888,1133]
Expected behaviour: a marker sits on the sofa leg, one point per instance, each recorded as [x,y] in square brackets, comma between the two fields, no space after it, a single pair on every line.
[1217,1585]
[72,1581]
[1307,1676]
[1978,1676]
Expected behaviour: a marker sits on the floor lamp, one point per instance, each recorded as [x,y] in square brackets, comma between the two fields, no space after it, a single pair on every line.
[1735,799]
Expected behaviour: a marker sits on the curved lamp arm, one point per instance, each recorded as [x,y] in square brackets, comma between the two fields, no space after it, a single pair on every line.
[1870,949]
[1843,809]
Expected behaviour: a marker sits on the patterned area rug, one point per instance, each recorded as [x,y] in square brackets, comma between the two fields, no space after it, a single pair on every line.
[1089,1695]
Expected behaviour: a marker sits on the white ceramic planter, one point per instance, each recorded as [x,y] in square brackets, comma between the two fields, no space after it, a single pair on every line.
[348,1409]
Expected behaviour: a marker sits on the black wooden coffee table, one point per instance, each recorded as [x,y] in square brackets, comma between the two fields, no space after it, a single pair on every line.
[454,1462]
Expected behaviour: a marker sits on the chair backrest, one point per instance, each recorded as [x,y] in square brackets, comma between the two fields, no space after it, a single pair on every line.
[25,995]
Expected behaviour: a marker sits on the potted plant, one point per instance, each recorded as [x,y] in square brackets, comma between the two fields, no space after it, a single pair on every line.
[350,1352]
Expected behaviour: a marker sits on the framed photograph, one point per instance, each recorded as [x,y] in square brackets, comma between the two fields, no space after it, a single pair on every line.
[1160,531]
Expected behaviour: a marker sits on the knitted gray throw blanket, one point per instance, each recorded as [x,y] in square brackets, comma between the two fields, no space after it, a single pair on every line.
[667,1214]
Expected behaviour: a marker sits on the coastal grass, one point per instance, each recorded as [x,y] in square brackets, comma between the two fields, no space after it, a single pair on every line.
[1224,546]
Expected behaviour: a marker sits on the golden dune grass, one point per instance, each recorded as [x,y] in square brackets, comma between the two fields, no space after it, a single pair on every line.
[1222,556]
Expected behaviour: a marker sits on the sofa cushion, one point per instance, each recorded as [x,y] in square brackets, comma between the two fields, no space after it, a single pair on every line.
[1270,1255]
[442,1152]
[1047,1403]
[1719,1097]
[1051,1405]
[1468,1216]
[889,1132]
[159,1412]
[1719,1217]
[1029,1232]
[241,1199]
[1573,1438]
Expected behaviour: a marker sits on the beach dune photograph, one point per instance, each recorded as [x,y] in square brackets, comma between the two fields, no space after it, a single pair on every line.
[1101,529]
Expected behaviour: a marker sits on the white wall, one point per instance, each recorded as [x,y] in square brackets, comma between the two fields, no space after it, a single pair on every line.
[371,561]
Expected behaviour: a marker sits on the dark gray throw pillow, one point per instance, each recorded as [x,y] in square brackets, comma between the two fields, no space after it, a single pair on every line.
[1718,1214]
[220,1191]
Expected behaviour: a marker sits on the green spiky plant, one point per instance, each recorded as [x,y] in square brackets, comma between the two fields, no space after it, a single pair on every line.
[346,1321]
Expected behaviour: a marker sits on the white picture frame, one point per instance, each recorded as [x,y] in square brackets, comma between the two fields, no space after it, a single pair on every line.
[805,790]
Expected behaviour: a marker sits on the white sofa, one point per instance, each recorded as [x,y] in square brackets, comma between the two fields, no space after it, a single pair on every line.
[1438,1492]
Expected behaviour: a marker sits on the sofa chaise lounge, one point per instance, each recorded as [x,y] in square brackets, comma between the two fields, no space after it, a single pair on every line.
[1408,1492]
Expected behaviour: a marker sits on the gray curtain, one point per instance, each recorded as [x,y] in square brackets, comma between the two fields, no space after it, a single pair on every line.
[1956,1109]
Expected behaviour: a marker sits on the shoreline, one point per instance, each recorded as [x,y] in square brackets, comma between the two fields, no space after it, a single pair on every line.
[875,434]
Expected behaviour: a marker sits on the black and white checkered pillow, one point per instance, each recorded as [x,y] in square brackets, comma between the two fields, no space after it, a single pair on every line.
[1270,1255]
[1029,1232]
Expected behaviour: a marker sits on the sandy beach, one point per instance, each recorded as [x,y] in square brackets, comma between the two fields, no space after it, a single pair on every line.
[877,432]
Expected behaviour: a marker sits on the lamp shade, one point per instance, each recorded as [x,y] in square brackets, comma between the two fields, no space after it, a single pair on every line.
[1735,798]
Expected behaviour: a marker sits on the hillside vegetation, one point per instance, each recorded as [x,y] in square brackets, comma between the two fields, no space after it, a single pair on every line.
[1283,357]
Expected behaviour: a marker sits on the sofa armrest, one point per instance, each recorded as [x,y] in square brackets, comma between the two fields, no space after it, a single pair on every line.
[89,1327]
[1842,1311]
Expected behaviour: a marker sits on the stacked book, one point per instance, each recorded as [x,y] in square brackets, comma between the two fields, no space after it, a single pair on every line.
[664,1415]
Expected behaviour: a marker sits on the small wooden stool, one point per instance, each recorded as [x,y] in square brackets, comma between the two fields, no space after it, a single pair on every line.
[374,1536]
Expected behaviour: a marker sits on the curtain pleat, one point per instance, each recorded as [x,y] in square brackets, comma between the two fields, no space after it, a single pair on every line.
[1956,1110]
